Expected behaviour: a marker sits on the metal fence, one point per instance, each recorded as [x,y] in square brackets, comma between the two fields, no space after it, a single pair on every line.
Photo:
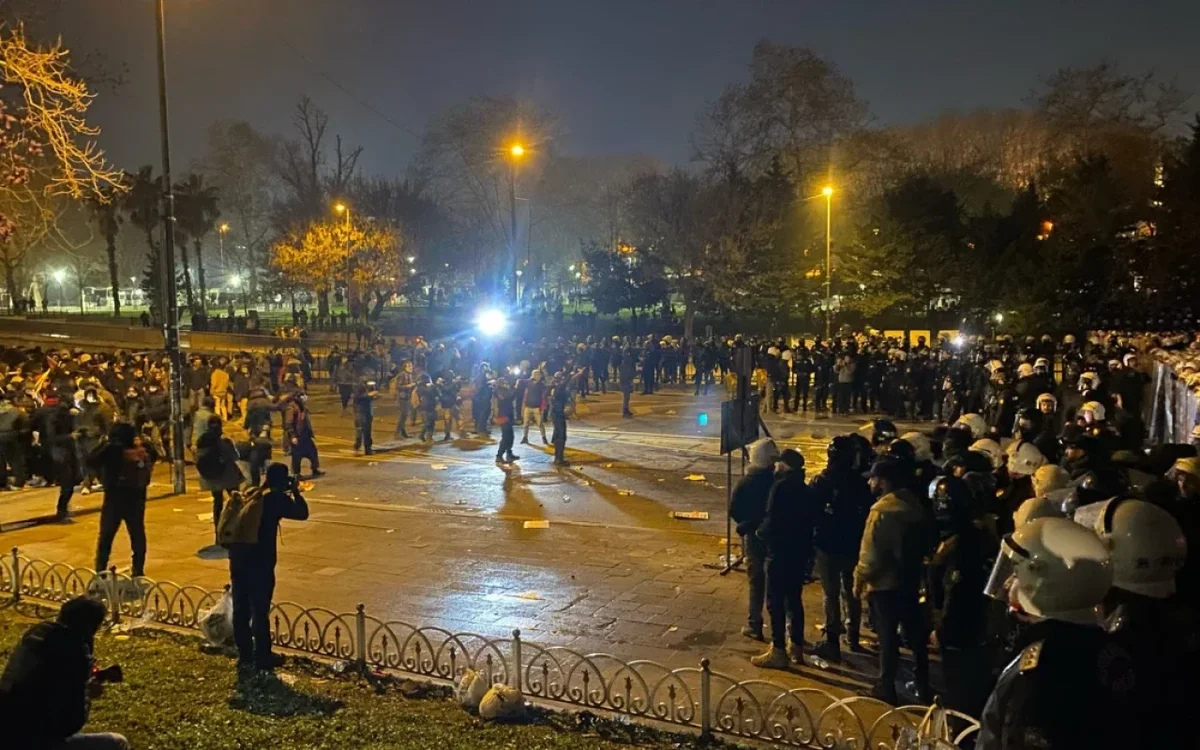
[692,698]
[1173,409]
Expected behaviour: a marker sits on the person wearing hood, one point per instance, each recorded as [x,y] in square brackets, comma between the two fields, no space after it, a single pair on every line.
[898,536]
[93,423]
[124,464]
[54,425]
[748,508]
[787,534]
[299,436]
[14,435]
[216,462]
[842,500]
[47,686]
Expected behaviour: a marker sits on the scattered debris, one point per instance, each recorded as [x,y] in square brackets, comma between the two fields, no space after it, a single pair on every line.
[566,498]
[695,478]
[543,524]
[460,501]
[372,463]
[672,629]
[307,486]
[662,479]
[502,703]
[177,510]
[438,467]
[690,515]
[204,516]
[608,466]
[532,596]
[671,412]
[625,493]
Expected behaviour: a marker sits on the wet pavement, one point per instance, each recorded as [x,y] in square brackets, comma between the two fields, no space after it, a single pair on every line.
[436,534]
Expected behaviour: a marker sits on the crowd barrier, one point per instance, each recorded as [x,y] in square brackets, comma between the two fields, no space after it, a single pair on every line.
[698,698]
[1173,409]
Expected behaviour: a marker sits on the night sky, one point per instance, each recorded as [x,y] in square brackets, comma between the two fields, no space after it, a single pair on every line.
[623,75]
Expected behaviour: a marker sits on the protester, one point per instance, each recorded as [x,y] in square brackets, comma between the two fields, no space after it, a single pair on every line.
[298,432]
[125,464]
[748,508]
[216,462]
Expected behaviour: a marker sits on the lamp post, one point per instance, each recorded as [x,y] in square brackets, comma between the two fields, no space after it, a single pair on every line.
[221,230]
[170,305]
[827,191]
[58,277]
[515,152]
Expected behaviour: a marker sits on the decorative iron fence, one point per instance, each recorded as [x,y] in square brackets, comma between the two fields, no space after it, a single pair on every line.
[695,698]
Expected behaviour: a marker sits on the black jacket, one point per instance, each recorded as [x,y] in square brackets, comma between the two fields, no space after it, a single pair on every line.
[787,528]
[748,505]
[843,500]
[43,691]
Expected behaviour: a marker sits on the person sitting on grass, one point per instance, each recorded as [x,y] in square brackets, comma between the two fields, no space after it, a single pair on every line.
[47,686]
[252,570]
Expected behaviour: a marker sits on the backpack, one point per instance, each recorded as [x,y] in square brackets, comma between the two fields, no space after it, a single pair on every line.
[241,518]
[210,462]
[136,468]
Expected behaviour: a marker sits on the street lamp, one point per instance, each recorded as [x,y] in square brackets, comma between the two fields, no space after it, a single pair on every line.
[221,230]
[827,191]
[515,152]
[344,209]
[60,276]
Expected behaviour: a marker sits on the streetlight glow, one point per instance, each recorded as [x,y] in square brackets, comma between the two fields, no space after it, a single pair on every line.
[235,280]
[827,191]
[571,267]
[491,322]
[412,259]
[999,317]
[339,207]
[517,151]
[59,275]
[224,228]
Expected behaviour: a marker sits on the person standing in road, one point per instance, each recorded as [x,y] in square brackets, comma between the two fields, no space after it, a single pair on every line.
[787,532]
[427,405]
[627,373]
[560,399]
[124,464]
[843,500]
[531,409]
[404,397]
[505,416]
[54,427]
[216,462]
[748,508]
[298,431]
[252,570]
[898,536]
[364,416]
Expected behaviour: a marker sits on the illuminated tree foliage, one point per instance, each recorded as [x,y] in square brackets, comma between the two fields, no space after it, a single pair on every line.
[331,252]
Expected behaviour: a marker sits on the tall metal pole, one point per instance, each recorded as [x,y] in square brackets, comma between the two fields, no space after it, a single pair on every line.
[170,305]
[828,265]
[512,221]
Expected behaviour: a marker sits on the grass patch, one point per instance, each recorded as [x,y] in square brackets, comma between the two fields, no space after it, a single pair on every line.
[176,696]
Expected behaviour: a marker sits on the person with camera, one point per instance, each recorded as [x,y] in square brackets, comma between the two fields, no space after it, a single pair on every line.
[125,463]
[252,569]
[50,680]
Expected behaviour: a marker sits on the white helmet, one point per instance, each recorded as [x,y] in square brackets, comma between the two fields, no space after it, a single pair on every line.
[1147,545]
[1095,409]
[1089,381]
[1024,370]
[991,449]
[1054,569]
[975,423]
[1035,508]
[921,446]
[1049,478]
[1049,398]
[1024,458]
[1068,339]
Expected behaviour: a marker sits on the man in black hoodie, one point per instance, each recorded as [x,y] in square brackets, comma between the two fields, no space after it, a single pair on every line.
[124,465]
[748,508]
[54,425]
[47,687]
[787,531]
[843,500]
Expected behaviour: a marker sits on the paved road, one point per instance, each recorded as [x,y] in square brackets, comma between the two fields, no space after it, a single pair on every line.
[436,534]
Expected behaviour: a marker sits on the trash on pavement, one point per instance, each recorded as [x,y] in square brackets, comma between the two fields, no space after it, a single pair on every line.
[671,412]
[216,624]
[306,486]
[690,515]
[470,689]
[543,524]
[438,467]
[532,596]
[695,478]
[502,703]
[608,466]
[625,493]
[372,463]
[566,498]
[204,516]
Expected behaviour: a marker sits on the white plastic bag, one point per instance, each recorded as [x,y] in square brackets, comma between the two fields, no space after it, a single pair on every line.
[471,689]
[502,703]
[217,623]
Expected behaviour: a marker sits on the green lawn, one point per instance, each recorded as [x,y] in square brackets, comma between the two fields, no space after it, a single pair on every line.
[175,696]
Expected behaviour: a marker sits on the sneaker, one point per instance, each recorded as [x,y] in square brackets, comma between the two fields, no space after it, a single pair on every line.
[829,651]
[510,458]
[316,473]
[752,634]
[855,646]
[525,441]
[774,658]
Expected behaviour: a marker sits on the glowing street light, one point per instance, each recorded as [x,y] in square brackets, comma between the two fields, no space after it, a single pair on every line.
[59,275]
[517,151]
[571,267]
[491,322]
[412,259]
[999,318]
[827,191]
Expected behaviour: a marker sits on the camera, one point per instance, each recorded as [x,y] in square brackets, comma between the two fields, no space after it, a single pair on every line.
[110,675]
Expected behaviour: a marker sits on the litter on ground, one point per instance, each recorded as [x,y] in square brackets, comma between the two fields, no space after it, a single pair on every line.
[537,524]
[690,515]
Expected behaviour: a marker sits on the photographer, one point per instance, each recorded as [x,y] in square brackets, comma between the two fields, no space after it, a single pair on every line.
[48,684]
[252,570]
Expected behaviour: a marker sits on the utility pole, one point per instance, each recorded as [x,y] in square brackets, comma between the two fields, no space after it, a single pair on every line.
[828,193]
[170,305]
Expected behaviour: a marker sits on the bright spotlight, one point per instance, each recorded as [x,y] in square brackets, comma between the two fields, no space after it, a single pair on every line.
[59,275]
[235,280]
[959,341]
[491,322]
